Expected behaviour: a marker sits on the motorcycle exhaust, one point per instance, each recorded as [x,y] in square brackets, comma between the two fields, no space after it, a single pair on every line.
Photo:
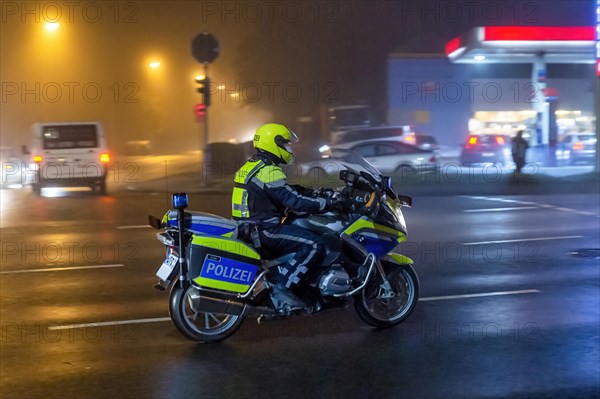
[221,306]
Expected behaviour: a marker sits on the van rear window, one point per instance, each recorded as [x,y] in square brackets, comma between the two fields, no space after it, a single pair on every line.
[69,136]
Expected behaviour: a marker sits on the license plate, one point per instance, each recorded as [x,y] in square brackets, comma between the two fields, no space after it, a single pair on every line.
[488,154]
[165,270]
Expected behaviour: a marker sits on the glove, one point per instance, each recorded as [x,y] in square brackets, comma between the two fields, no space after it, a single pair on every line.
[340,203]
[325,192]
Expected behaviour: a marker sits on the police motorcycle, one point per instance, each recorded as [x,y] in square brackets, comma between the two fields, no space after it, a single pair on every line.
[217,276]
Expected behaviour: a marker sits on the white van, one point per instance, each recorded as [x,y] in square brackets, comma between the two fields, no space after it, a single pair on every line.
[69,154]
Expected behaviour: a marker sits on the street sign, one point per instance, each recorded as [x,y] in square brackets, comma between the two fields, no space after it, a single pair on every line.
[205,48]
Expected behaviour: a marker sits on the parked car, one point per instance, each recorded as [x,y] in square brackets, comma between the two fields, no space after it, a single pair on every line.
[399,133]
[427,142]
[577,147]
[487,148]
[388,156]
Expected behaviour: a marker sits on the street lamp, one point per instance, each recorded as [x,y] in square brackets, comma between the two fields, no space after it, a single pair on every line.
[52,26]
[154,64]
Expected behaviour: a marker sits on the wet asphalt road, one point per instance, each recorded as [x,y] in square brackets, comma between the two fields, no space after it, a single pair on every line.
[535,332]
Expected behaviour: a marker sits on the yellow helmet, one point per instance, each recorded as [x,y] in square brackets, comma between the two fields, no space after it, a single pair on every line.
[276,139]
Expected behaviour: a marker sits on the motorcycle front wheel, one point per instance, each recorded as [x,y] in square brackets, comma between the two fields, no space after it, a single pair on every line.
[381,311]
[193,323]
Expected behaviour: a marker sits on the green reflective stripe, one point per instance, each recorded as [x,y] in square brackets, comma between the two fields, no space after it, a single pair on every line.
[270,174]
[165,218]
[239,197]
[247,171]
[226,244]
[364,223]
[221,285]
[400,259]
[253,171]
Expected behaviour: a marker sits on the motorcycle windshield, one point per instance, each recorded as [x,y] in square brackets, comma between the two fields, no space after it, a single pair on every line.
[354,162]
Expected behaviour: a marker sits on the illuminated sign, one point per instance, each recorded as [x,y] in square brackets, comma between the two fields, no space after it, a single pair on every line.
[539,33]
[454,45]
[598,37]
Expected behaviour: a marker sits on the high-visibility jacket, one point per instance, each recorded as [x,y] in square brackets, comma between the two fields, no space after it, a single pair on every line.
[261,194]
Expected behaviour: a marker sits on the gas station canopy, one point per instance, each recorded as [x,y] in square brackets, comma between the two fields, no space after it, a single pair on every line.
[523,44]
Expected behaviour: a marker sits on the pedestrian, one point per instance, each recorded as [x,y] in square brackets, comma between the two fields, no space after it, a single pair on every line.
[519,148]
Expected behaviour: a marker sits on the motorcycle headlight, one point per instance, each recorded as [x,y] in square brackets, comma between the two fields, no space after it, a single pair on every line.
[394,210]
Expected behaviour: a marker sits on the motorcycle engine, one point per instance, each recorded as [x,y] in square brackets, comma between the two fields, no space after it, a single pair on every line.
[334,281]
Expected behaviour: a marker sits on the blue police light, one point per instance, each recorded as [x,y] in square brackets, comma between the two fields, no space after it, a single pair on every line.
[180,200]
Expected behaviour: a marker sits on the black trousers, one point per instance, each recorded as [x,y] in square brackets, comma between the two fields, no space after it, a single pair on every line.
[284,239]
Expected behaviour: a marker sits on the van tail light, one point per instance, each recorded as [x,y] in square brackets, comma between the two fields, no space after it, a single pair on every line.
[578,146]
[500,140]
[104,158]
[37,159]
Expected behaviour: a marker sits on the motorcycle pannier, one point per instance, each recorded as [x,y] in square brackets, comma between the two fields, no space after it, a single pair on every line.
[222,263]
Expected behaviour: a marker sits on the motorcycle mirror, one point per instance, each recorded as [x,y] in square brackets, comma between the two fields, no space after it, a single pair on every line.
[387,180]
[405,200]
[348,176]
[154,222]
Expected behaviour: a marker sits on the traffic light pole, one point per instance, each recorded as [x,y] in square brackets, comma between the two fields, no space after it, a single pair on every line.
[204,131]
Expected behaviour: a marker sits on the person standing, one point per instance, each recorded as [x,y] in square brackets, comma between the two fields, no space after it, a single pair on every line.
[519,149]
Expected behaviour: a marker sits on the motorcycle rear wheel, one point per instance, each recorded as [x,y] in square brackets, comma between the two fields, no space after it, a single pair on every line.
[194,324]
[384,313]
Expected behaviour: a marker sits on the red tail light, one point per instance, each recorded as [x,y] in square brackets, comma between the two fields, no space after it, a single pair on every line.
[433,159]
[500,140]
[578,146]
[472,141]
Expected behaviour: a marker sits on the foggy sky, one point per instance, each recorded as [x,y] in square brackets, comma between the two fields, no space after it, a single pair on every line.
[334,52]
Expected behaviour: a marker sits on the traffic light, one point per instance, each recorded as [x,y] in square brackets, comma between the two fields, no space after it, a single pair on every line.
[204,89]
[200,110]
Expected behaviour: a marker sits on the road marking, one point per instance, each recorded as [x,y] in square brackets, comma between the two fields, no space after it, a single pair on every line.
[139,226]
[58,269]
[162,319]
[110,323]
[484,294]
[514,208]
[535,204]
[521,239]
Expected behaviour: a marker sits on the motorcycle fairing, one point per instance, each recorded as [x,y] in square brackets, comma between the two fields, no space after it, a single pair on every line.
[375,237]
[203,223]
[398,259]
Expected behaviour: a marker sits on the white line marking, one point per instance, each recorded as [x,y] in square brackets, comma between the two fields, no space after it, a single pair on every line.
[484,294]
[521,239]
[514,208]
[58,269]
[111,323]
[162,319]
[139,226]
[540,205]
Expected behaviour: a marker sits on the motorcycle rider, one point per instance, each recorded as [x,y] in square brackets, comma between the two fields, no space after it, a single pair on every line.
[261,197]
